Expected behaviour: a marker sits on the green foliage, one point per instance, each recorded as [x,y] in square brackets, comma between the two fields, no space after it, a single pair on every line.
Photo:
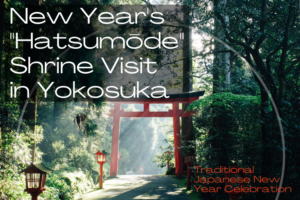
[66,185]
[15,154]
[217,143]
[91,127]
[162,158]
[225,100]
[69,147]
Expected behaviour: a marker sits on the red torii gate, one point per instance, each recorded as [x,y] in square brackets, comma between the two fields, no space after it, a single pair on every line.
[176,113]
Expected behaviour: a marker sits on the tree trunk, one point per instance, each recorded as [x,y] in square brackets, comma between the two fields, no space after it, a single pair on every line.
[0,140]
[30,80]
[90,144]
[2,8]
[57,114]
[187,124]
[226,58]
[265,132]
[6,68]
[216,87]
[221,83]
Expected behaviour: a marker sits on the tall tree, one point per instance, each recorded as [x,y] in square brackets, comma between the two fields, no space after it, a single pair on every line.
[2,9]
[30,80]
[219,131]
[187,84]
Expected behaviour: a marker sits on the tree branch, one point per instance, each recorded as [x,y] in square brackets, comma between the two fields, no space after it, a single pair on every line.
[285,41]
[262,25]
[291,66]
[268,59]
[227,35]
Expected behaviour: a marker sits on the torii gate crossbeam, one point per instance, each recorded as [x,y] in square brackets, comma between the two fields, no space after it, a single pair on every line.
[176,113]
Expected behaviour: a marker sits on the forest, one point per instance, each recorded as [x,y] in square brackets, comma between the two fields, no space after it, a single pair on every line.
[244,54]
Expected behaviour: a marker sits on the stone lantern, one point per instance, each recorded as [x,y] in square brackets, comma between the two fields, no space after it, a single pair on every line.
[101,159]
[235,195]
[189,161]
[35,176]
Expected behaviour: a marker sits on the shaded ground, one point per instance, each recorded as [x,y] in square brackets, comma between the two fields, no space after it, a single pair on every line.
[142,187]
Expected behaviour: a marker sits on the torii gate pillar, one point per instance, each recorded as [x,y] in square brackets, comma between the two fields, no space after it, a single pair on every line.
[177,140]
[115,140]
